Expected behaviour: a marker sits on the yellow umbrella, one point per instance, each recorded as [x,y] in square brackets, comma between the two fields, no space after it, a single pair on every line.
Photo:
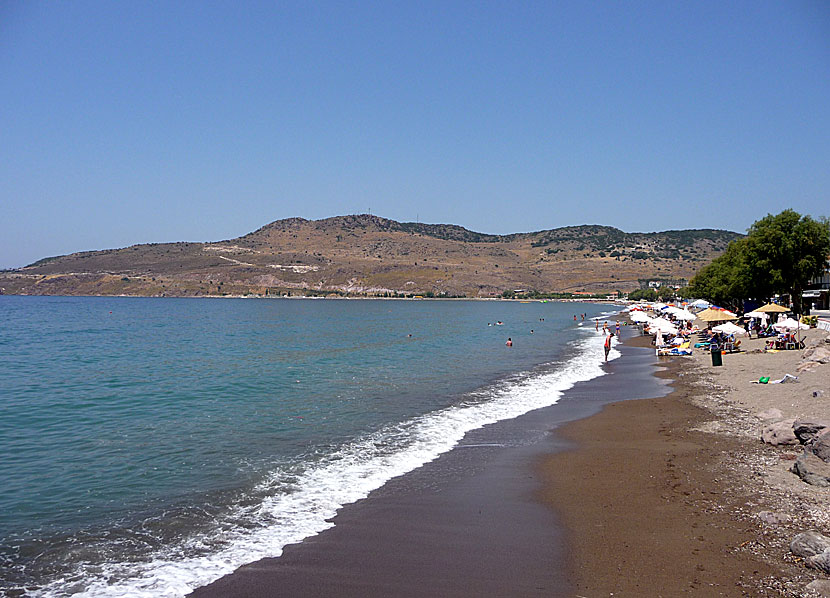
[715,315]
[773,308]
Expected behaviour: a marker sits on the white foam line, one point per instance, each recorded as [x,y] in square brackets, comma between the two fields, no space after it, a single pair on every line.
[304,508]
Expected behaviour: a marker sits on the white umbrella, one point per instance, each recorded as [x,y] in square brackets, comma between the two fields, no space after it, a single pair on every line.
[638,317]
[790,324]
[686,315]
[730,328]
[757,314]
[700,303]
[663,326]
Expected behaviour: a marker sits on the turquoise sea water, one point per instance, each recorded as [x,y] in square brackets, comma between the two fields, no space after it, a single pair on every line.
[151,445]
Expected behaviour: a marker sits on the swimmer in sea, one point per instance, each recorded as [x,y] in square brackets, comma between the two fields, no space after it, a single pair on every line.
[509,342]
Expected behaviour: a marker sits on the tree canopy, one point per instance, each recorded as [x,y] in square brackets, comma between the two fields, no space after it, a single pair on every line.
[779,255]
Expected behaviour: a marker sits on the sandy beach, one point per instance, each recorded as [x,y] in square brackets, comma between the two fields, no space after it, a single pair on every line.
[680,496]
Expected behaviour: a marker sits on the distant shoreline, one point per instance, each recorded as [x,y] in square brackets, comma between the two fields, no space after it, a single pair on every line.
[339,298]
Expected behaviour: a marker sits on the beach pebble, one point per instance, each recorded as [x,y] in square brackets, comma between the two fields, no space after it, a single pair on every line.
[820,561]
[779,433]
[773,518]
[820,587]
[806,429]
[770,414]
[809,543]
[812,470]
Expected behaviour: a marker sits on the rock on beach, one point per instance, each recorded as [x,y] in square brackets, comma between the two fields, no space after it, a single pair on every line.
[809,543]
[779,433]
[812,470]
[807,430]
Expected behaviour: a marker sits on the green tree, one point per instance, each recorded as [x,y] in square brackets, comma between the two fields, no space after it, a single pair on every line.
[784,252]
[780,254]
[665,293]
[726,280]
[643,295]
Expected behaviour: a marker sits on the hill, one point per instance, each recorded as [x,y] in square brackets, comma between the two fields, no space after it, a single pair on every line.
[364,254]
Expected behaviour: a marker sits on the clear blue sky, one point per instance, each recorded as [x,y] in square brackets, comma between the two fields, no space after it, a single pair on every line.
[131,122]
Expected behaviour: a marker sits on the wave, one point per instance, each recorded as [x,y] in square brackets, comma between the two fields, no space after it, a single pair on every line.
[296,502]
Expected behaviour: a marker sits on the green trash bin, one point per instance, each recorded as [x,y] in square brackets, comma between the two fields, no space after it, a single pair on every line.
[717,357]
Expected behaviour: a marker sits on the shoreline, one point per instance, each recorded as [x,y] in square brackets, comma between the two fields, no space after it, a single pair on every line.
[614,302]
[468,523]
[663,496]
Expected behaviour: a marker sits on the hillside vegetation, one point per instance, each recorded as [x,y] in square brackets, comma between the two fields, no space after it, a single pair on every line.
[364,254]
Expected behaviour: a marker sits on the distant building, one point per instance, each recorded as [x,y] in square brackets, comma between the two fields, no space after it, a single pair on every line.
[675,283]
[817,293]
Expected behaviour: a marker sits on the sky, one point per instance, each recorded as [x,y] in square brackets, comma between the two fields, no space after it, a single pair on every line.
[135,122]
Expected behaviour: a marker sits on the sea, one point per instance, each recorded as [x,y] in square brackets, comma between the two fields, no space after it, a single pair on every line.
[149,446]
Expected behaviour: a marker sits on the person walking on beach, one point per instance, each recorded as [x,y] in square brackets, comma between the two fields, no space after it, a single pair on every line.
[607,345]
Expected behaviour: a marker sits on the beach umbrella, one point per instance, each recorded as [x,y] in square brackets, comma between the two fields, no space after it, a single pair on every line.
[700,303]
[686,315]
[730,328]
[790,324]
[662,325]
[757,314]
[715,315]
[638,317]
[773,308]
[672,310]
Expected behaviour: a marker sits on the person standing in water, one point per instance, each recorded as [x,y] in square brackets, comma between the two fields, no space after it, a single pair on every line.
[607,345]
[509,342]
[618,328]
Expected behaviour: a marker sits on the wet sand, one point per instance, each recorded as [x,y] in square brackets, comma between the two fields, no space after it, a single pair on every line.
[471,523]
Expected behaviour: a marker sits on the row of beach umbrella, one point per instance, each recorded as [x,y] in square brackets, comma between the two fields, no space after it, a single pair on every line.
[710,315]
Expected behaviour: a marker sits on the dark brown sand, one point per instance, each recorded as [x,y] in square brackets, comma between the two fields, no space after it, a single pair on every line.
[646,505]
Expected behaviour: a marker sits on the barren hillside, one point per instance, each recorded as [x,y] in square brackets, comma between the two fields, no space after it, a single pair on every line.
[366,254]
